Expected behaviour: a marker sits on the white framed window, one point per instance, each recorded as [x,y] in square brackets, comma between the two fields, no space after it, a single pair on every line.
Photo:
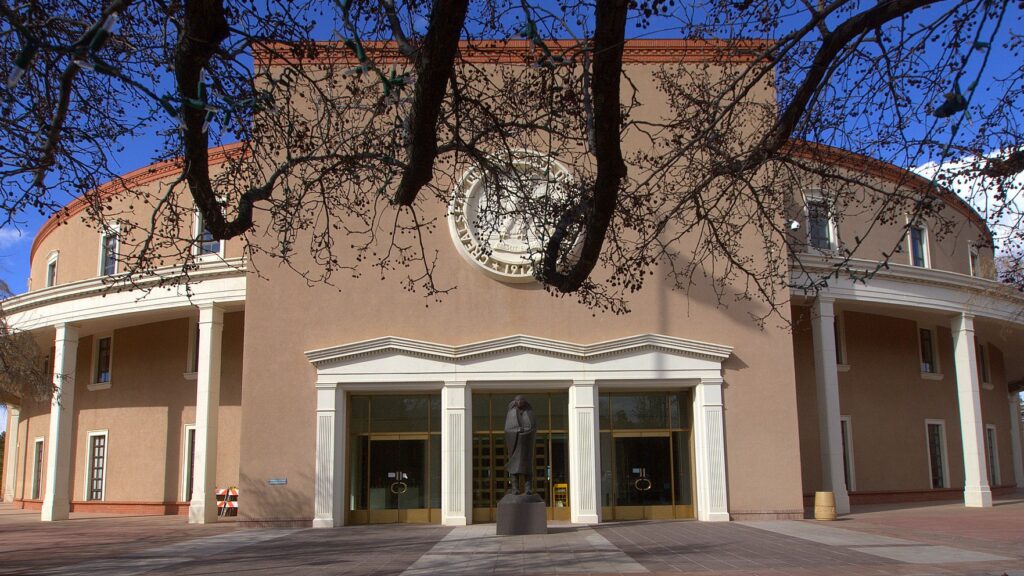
[51,268]
[102,361]
[192,354]
[205,245]
[992,455]
[839,326]
[37,469]
[984,368]
[917,244]
[846,431]
[96,465]
[109,251]
[974,259]
[928,352]
[938,464]
[821,230]
[188,462]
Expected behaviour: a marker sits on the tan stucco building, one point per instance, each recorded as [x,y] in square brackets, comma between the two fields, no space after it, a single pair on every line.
[356,403]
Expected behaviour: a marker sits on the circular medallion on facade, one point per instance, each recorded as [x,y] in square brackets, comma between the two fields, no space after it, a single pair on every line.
[500,223]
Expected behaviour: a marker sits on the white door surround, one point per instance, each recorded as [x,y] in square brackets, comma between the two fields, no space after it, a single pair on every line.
[642,362]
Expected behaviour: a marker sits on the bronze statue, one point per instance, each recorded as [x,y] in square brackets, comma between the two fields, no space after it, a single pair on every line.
[520,435]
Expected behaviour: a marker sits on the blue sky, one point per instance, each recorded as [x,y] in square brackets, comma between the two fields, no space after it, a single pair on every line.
[16,241]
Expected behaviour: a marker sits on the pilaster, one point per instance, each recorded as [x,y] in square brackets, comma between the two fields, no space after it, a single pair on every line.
[328,505]
[57,489]
[584,454]
[976,489]
[456,454]
[709,445]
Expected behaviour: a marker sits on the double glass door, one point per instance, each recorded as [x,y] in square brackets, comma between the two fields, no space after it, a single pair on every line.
[398,479]
[394,459]
[646,455]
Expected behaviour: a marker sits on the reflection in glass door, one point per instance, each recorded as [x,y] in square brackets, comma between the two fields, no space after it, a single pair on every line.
[394,459]
[646,455]
[398,479]
[643,471]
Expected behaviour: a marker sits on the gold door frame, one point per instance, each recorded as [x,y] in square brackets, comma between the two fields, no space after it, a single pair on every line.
[397,515]
[660,511]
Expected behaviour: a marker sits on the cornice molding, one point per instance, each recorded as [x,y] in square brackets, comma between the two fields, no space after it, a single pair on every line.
[518,343]
[648,51]
[101,286]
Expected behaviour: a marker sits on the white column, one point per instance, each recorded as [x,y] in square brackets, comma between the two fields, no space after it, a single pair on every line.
[976,489]
[11,452]
[709,445]
[584,454]
[57,491]
[826,375]
[331,419]
[1015,440]
[456,454]
[203,508]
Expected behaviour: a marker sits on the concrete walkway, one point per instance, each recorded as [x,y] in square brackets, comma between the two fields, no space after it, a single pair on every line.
[895,540]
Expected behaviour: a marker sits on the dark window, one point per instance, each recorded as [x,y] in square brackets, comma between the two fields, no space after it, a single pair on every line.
[97,461]
[37,471]
[190,462]
[917,235]
[51,273]
[103,360]
[927,351]
[838,330]
[819,235]
[108,262]
[983,372]
[844,428]
[935,455]
[205,242]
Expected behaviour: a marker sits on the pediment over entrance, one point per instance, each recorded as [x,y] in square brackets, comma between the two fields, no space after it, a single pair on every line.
[519,357]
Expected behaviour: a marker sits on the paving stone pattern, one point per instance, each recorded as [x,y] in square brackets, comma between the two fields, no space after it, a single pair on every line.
[936,540]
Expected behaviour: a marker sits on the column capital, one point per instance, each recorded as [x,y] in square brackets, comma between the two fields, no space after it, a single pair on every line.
[712,381]
[455,383]
[66,332]
[13,409]
[584,382]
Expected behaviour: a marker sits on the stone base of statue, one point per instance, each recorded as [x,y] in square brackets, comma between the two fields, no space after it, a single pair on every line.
[522,514]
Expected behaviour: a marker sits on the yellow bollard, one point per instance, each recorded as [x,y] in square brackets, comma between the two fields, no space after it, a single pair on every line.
[824,506]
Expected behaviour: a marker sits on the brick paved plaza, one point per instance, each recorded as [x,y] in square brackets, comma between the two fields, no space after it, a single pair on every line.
[898,540]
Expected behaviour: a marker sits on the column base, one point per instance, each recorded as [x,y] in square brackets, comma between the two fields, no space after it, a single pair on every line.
[716,517]
[842,502]
[977,497]
[324,523]
[585,519]
[55,512]
[199,514]
[455,521]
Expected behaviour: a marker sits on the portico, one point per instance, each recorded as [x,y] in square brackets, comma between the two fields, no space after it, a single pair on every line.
[523,364]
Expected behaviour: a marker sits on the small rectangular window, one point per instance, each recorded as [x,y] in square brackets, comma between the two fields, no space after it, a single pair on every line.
[936,430]
[837,327]
[928,365]
[819,226]
[190,462]
[974,259]
[992,455]
[918,246]
[97,466]
[205,242]
[103,357]
[108,254]
[37,469]
[845,428]
[51,270]
[983,366]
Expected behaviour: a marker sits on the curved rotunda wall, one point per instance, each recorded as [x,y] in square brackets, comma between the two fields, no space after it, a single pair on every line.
[74,236]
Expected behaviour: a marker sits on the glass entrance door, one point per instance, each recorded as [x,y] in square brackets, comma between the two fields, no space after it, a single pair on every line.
[398,479]
[646,455]
[643,474]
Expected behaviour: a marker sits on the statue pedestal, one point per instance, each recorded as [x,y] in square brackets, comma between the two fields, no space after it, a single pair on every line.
[522,514]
